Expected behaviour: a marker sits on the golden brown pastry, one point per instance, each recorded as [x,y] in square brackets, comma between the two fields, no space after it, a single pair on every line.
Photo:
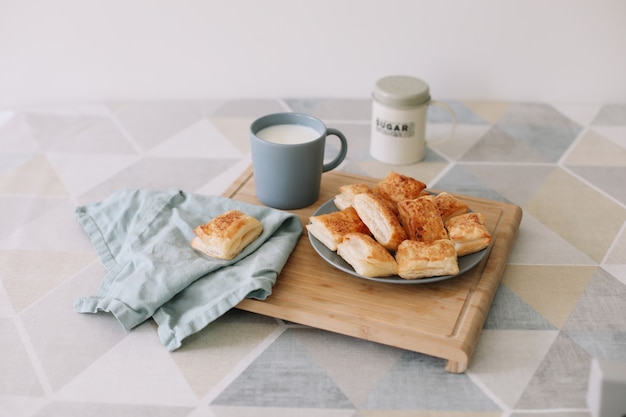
[347,192]
[397,187]
[226,235]
[368,257]
[450,206]
[422,259]
[330,228]
[380,219]
[468,232]
[421,219]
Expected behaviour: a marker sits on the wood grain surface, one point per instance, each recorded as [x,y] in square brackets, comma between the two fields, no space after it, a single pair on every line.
[442,319]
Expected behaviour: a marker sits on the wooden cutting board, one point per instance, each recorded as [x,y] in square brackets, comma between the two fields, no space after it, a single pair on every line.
[442,319]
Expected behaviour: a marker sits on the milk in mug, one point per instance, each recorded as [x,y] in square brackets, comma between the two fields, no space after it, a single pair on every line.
[288,134]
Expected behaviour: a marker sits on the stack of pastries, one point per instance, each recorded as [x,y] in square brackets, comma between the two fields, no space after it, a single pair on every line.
[398,228]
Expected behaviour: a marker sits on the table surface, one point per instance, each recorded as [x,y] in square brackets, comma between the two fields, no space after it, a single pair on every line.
[561,301]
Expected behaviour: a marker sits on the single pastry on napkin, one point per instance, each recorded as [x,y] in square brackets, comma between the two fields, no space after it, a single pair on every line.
[226,235]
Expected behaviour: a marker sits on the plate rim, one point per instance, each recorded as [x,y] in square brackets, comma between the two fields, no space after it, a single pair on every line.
[393,279]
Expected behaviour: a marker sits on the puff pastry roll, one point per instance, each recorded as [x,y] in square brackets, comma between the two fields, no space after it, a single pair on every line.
[226,235]
[368,257]
[380,219]
[330,228]
[422,259]
[469,233]
[421,219]
[450,206]
[397,187]
[347,192]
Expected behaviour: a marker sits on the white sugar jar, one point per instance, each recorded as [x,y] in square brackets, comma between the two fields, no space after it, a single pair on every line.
[399,108]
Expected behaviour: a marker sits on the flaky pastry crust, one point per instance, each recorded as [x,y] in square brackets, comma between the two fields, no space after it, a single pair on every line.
[226,235]
[330,228]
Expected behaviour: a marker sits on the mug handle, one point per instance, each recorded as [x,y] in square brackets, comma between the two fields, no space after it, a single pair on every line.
[449,110]
[342,152]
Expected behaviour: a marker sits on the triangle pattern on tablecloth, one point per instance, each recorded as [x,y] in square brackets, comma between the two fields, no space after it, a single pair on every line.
[36,235]
[11,162]
[490,111]
[235,129]
[499,145]
[531,132]
[616,134]
[16,135]
[151,123]
[590,315]
[604,344]
[463,114]
[550,142]
[505,360]
[555,249]
[595,149]
[535,114]
[17,269]
[611,115]
[136,382]
[509,312]
[618,271]
[280,375]
[355,365]
[503,179]
[83,134]
[23,379]
[568,206]
[83,337]
[211,355]
[19,211]
[94,169]
[566,283]
[200,140]
[583,114]
[465,137]
[460,180]
[558,383]
[608,179]
[187,174]
[601,162]
[41,180]
[419,381]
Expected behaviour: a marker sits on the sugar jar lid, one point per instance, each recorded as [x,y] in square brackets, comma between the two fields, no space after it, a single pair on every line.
[401,91]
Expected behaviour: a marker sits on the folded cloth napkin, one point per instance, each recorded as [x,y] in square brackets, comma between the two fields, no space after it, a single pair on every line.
[143,239]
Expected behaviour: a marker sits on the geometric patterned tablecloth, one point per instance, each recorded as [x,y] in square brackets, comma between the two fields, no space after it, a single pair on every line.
[561,302]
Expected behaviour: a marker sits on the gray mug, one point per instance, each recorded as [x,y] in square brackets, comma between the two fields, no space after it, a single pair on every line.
[288,158]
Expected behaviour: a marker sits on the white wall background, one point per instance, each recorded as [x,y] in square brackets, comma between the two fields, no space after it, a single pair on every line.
[86,50]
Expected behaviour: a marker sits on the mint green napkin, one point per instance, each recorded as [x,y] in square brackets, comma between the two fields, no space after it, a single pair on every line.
[142,238]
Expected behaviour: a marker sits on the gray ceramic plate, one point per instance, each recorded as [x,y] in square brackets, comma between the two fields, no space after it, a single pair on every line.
[466,262]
